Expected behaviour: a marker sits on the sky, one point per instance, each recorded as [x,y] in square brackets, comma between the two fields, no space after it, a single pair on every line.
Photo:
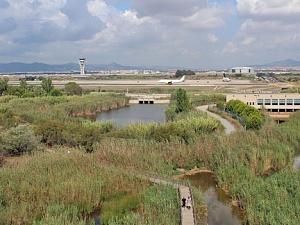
[194,34]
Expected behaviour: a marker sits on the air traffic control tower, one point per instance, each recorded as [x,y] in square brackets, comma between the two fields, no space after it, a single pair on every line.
[82,65]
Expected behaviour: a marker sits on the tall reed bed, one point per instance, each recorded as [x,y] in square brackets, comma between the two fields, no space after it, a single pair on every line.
[240,161]
[184,127]
[37,110]
[159,205]
[59,185]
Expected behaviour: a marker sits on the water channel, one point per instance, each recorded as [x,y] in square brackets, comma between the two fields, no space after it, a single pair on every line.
[219,207]
[220,211]
[135,113]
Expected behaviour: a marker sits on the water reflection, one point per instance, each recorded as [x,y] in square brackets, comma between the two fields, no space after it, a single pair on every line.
[220,210]
[135,113]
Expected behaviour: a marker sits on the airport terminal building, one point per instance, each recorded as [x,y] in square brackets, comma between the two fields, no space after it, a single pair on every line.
[278,105]
[241,70]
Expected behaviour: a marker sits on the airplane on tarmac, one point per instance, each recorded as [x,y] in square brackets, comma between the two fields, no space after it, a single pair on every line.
[170,82]
[225,79]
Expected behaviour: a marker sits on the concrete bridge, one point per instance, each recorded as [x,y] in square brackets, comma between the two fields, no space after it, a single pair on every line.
[149,98]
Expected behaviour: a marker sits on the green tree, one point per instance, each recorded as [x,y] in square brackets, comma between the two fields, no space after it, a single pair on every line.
[72,88]
[3,85]
[182,101]
[51,132]
[23,84]
[47,85]
[254,121]
[178,73]
[18,140]
[55,92]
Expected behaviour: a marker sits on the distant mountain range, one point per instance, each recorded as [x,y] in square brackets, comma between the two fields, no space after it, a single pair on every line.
[283,63]
[17,67]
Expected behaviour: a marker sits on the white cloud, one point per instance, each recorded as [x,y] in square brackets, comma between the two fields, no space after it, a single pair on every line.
[248,41]
[166,32]
[229,49]
[212,38]
[269,9]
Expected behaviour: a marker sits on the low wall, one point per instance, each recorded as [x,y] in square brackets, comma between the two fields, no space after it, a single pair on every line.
[148,101]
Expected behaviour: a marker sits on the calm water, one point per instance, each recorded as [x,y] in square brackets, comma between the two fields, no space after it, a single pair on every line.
[220,210]
[135,113]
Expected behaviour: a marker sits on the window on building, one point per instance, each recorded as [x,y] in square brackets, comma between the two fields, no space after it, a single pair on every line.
[267,102]
[281,101]
[289,101]
[260,101]
[296,101]
[274,101]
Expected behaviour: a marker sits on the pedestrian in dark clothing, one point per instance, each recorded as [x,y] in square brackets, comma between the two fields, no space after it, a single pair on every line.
[183,202]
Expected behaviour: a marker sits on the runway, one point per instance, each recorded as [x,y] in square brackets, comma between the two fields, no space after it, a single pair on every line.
[148,83]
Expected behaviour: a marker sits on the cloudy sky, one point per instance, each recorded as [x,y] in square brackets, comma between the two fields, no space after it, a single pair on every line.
[196,34]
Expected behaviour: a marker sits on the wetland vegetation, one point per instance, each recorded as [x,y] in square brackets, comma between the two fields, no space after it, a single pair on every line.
[48,185]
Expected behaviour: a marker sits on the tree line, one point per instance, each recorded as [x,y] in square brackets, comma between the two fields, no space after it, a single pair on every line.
[46,89]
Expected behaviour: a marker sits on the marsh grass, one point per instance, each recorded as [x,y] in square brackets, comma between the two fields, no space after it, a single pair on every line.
[65,188]
[59,182]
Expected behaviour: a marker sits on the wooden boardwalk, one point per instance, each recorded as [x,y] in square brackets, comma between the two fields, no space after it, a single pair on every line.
[187,215]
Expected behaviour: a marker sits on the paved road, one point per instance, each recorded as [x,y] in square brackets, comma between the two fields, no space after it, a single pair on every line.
[229,128]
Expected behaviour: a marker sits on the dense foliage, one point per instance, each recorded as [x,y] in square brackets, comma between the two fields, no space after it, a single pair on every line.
[249,114]
[18,140]
[180,73]
[72,88]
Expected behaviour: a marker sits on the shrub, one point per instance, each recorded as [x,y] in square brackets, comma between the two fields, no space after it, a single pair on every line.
[51,132]
[18,140]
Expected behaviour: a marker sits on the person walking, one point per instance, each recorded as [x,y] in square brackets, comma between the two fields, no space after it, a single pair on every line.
[183,202]
[188,202]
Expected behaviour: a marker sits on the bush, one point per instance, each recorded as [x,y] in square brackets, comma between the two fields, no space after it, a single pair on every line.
[249,114]
[18,140]
[51,132]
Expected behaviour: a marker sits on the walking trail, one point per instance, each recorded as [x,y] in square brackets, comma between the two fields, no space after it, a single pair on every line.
[229,128]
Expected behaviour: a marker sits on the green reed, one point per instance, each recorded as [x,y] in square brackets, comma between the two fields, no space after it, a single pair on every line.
[241,162]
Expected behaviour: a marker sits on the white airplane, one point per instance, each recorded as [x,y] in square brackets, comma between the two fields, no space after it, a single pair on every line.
[170,82]
[226,79]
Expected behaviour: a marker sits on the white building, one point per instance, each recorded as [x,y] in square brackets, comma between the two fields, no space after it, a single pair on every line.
[278,105]
[241,70]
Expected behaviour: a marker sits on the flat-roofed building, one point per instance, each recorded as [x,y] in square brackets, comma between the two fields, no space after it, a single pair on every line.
[278,105]
[241,70]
